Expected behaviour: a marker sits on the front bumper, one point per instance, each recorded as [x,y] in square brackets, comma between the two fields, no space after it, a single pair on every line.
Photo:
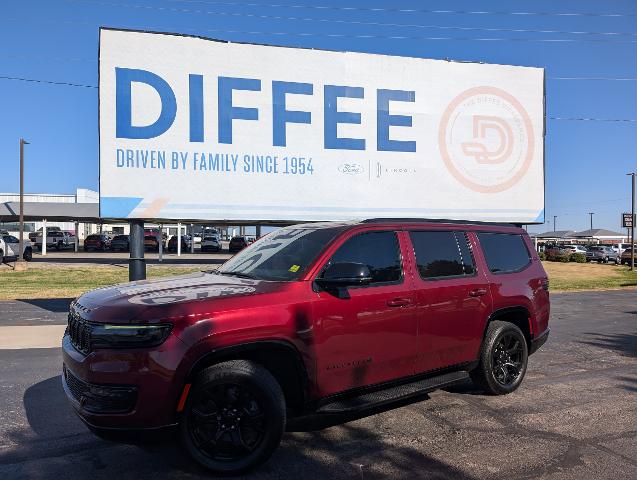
[125,389]
[540,340]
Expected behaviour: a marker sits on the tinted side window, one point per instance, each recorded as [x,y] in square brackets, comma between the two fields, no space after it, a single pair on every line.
[378,250]
[442,254]
[504,252]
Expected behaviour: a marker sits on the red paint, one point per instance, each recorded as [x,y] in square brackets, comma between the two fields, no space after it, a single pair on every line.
[381,333]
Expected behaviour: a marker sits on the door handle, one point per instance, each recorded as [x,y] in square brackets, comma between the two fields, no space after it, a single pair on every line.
[478,292]
[398,302]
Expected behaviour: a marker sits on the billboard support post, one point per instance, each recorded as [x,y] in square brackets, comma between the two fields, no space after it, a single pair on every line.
[136,263]
[179,239]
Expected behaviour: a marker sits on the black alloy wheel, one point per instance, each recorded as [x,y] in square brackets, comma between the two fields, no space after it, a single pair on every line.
[507,359]
[503,359]
[234,417]
[227,422]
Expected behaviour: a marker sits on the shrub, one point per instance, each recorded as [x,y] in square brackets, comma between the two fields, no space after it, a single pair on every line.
[542,255]
[578,258]
[562,257]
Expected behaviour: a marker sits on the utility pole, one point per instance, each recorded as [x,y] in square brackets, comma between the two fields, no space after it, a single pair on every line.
[632,224]
[20,263]
[591,214]
[554,222]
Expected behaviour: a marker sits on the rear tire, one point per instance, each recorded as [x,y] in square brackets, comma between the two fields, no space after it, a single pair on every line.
[234,417]
[503,359]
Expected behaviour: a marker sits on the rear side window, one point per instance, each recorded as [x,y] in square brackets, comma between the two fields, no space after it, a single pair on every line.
[504,252]
[378,250]
[442,254]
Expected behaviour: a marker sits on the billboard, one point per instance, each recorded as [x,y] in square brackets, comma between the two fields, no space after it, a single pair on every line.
[198,129]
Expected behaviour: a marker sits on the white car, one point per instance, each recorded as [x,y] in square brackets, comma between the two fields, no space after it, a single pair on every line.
[10,248]
[210,243]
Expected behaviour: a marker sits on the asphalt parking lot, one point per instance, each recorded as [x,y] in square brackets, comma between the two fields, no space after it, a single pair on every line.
[575,416]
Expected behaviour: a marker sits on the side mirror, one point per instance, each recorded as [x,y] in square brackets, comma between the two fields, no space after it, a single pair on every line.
[345,274]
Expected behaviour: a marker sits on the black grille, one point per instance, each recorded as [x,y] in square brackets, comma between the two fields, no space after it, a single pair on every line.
[79,332]
[100,398]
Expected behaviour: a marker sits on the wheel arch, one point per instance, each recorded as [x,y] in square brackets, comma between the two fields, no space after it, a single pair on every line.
[518,315]
[279,357]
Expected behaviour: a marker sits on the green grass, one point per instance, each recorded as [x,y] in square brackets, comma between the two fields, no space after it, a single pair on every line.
[71,281]
[68,282]
[588,276]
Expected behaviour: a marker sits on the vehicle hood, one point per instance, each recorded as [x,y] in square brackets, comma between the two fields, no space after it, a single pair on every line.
[154,299]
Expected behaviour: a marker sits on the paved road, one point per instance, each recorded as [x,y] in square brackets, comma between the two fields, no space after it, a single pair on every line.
[575,417]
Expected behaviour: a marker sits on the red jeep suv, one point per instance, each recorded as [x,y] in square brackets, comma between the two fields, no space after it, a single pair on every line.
[310,320]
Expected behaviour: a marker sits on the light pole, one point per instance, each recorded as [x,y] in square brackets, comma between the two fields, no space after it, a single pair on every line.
[20,263]
[591,214]
[632,223]
[554,222]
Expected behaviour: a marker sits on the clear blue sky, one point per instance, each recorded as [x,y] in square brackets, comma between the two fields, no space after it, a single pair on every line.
[586,161]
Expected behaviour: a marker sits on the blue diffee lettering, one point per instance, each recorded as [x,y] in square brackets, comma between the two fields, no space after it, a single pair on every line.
[333,117]
[280,115]
[227,112]
[124,77]
[384,120]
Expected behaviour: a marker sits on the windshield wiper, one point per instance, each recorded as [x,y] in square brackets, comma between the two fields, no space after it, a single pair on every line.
[237,274]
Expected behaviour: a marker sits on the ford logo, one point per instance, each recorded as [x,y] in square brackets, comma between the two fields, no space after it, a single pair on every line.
[351,168]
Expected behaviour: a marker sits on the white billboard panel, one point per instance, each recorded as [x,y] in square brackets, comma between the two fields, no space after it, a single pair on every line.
[192,128]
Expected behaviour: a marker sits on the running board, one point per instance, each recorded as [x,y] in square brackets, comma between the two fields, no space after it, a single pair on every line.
[389,395]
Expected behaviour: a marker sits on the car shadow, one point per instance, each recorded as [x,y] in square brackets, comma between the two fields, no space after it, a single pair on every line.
[622,343]
[55,305]
[347,450]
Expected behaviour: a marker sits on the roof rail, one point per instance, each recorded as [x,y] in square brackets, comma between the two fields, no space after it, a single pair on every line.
[439,220]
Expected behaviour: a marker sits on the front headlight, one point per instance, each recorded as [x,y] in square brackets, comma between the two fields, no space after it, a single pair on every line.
[129,336]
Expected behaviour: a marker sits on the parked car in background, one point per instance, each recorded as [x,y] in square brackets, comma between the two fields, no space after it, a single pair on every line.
[33,235]
[10,248]
[333,320]
[574,249]
[151,243]
[625,257]
[237,244]
[157,233]
[57,239]
[602,253]
[97,241]
[120,243]
[210,243]
[186,240]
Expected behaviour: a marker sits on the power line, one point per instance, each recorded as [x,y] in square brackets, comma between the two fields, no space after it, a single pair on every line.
[410,10]
[367,23]
[50,82]
[583,119]
[363,36]
[618,79]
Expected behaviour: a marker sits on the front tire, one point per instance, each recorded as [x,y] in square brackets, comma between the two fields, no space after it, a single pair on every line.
[503,359]
[234,417]
[28,255]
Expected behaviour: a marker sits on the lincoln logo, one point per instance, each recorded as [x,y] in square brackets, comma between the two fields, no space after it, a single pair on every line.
[486,139]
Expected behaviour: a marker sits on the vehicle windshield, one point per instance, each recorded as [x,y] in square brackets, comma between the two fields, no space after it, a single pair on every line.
[283,255]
